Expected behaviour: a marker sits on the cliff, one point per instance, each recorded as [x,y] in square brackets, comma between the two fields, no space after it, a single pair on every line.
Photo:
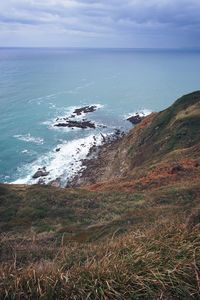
[163,146]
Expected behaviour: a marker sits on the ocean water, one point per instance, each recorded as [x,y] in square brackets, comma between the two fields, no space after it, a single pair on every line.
[39,85]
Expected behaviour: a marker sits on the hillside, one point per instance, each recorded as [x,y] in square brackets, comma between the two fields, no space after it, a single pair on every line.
[162,149]
[132,231]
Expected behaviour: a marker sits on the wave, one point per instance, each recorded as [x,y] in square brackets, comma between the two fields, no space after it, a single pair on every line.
[63,163]
[80,87]
[24,151]
[141,113]
[45,97]
[39,99]
[28,138]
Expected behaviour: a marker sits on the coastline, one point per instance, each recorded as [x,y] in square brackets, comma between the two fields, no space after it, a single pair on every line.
[70,161]
[95,160]
[99,152]
[104,162]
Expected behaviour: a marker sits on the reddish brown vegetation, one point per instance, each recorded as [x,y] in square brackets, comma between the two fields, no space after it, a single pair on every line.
[184,170]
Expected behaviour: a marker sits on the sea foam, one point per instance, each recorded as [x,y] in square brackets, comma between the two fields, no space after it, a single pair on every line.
[29,138]
[63,163]
[140,112]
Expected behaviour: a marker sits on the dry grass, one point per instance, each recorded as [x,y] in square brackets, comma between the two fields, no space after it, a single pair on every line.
[159,262]
[134,245]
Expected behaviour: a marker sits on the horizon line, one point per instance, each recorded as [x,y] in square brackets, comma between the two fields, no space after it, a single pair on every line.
[99,48]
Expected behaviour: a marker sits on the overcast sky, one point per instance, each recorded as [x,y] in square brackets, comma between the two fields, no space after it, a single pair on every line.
[100,23]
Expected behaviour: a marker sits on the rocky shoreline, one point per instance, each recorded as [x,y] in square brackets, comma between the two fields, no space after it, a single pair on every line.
[95,160]
[95,157]
[92,158]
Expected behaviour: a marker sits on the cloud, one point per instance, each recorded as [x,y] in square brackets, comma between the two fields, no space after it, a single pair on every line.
[127,23]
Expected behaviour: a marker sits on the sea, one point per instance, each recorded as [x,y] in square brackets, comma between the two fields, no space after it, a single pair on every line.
[41,85]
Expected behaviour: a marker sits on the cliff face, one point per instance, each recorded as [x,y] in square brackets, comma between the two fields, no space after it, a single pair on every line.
[168,141]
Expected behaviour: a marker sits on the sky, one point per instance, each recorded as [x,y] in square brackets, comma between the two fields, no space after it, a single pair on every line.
[100,23]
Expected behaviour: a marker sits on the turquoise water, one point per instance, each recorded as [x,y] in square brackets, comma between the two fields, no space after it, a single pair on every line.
[38,85]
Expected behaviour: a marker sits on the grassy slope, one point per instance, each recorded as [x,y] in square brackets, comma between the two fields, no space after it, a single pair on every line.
[174,128]
[153,148]
[135,238]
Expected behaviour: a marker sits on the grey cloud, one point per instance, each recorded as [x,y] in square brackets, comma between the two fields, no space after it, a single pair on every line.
[123,22]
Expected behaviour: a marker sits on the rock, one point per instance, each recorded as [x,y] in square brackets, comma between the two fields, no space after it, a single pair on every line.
[55,183]
[70,122]
[78,124]
[103,137]
[41,172]
[41,181]
[136,119]
[92,150]
[117,132]
[85,109]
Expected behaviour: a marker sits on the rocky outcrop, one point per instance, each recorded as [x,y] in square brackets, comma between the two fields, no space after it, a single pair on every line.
[41,172]
[83,123]
[85,110]
[78,124]
[136,119]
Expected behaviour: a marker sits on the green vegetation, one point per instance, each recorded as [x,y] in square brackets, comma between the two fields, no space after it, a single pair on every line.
[174,128]
[135,237]
[38,207]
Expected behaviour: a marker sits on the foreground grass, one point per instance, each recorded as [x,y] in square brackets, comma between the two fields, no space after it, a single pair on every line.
[160,262]
[146,247]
